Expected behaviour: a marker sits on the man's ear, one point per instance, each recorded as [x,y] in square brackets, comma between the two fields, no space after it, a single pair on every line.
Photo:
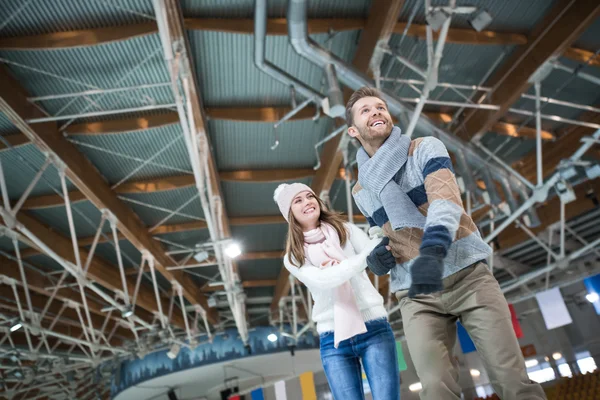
[352,131]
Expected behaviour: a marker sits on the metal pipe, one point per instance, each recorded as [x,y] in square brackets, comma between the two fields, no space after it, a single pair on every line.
[22,315]
[113,226]
[497,159]
[150,261]
[334,92]
[293,112]
[582,75]
[27,191]
[90,256]
[98,113]
[3,189]
[538,133]
[562,228]
[432,71]
[260,38]
[185,317]
[97,91]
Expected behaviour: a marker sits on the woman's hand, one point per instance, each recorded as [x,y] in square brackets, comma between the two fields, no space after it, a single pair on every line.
[381,260]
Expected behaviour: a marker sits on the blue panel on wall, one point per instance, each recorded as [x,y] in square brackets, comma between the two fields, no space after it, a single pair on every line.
[466,344]
[257,394]
[592,284]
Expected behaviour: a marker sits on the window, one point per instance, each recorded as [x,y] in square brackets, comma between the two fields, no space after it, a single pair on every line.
[543,375]
[587,365]
[565,370]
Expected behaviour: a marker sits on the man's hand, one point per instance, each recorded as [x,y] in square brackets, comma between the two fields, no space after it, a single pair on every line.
[381,260]
[426,271]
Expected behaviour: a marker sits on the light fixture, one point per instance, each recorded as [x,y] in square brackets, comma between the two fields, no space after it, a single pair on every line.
[546,359]
[16,327]
[436,18]
[127,312]
[174,351]
[272,337]
[212,302]
[201,256]
[557,356]
[475,373]
[415,387]
[531,363]
[480,20]
[592,297]
[233,250]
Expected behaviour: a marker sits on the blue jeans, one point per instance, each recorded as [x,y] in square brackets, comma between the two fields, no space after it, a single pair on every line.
[376,349]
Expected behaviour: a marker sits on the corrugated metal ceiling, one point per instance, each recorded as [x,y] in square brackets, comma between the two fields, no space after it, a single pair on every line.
[241,145]
[227,75]
[249,199]
[267,237]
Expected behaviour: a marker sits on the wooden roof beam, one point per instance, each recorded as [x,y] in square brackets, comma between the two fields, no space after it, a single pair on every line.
[550,38]
[275,26]
[14,104]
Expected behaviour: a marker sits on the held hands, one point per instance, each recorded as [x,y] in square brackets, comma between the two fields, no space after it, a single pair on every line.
[381,260]
[426,272]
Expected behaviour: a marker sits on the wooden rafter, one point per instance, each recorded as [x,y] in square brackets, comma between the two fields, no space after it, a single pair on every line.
[553,152]
[78,169]
[275,26]
[239,114]
[37,282]
[382,20]
[551,38]
[100,271]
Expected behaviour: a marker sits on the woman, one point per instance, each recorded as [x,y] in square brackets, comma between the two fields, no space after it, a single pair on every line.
[329,257]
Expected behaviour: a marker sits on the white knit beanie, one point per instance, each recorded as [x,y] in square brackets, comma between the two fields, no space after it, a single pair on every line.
[284,194]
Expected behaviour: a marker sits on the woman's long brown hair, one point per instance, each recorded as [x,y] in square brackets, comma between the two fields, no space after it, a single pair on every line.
[295,238]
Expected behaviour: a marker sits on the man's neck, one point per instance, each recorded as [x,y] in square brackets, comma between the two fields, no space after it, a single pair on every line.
[372,147]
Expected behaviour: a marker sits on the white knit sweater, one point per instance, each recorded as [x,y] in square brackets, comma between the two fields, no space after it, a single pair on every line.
[321,282]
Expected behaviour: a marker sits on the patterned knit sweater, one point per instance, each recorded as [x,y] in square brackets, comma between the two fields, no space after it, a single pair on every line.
[428,179]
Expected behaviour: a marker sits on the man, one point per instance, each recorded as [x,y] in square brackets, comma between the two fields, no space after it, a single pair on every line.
[408,189]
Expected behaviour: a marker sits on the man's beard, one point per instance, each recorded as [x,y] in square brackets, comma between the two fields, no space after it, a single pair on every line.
[366,136]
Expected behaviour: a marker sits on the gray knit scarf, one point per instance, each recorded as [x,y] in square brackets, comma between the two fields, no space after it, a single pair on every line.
[376,174]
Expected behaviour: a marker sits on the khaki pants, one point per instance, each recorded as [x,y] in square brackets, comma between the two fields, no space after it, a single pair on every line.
[473,296]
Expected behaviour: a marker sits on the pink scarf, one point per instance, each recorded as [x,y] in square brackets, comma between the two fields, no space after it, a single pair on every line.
[322,248]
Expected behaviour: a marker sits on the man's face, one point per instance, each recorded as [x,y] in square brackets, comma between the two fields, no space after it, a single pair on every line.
[372,121]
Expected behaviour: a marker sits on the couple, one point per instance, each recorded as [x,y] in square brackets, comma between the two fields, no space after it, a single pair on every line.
[422,236]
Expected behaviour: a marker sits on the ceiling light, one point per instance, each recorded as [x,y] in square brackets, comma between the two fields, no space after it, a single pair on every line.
[592,297]
[531,363]
[557,356]
[546,359]
[174,351]
[272,337]
[480,20]
[201,256]
[436,18]
[415,387]
[127,312]
[212,302]
[233,250]
[16,327]
[475,373]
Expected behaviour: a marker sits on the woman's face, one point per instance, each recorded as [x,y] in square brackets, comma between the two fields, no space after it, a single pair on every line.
[306,211]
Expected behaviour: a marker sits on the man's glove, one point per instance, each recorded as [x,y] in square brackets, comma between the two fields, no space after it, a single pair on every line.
[426,272]
[381,260]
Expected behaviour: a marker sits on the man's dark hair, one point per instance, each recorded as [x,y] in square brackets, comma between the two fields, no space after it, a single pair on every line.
[364,91]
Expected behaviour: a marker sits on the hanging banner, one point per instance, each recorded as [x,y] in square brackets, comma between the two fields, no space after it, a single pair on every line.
[307,383]
[466,344]
[280,391]
[528,351]
[257,394]
[553,308]
[401,361]
[592,284]
[515,322]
